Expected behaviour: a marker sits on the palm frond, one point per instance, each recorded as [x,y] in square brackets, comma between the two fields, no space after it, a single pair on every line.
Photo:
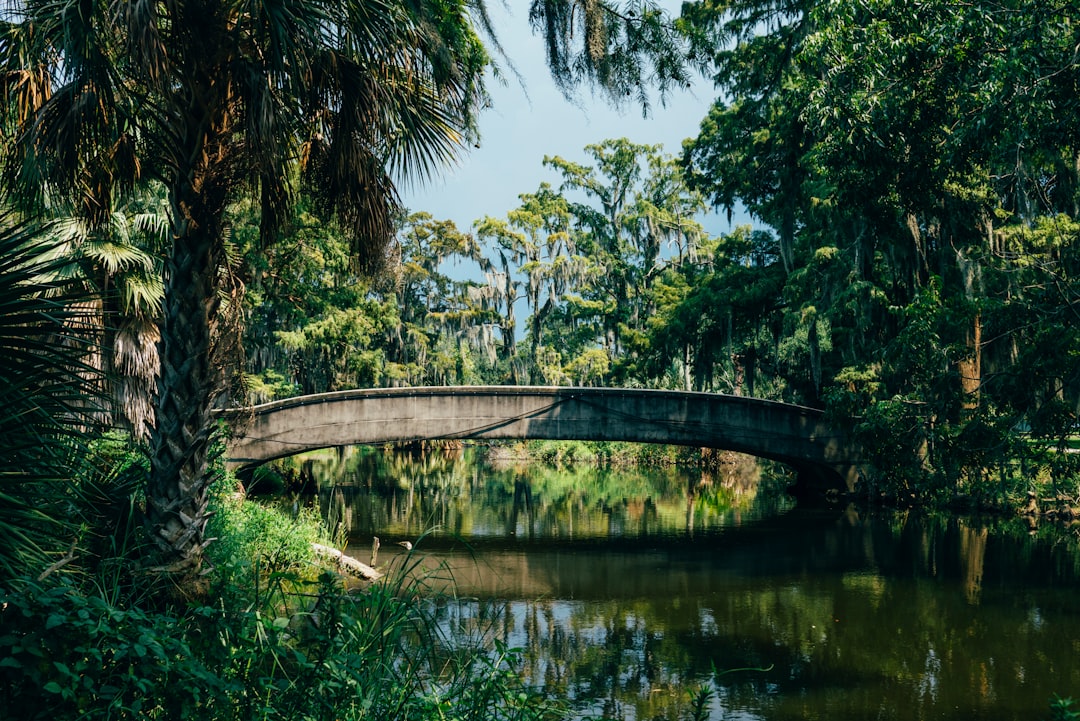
[141,294]
[48,390]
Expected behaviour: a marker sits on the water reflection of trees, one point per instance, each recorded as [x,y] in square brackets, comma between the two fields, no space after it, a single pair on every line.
[409,493]
[901,618]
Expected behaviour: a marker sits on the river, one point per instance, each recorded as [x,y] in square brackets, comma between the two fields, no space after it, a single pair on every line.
[628,590]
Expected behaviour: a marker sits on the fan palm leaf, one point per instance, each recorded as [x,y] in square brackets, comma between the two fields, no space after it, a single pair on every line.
[46,391]
[116,260]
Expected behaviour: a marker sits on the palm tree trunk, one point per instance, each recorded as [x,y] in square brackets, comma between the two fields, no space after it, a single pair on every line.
[176,506]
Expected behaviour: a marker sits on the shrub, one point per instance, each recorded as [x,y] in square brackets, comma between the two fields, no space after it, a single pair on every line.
[1061,709]
[67,655]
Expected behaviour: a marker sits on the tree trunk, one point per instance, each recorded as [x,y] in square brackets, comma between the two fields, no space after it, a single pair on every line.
[970,367]
[815,355]
[176,498]
[686,363]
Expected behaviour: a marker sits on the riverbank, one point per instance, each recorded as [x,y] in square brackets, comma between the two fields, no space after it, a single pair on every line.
[275,633]
[625,591]
[618,455]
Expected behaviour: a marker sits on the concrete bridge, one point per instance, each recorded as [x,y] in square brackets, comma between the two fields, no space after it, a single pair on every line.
[795,435]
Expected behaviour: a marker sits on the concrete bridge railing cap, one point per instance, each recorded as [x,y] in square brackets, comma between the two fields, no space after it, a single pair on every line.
[583,391]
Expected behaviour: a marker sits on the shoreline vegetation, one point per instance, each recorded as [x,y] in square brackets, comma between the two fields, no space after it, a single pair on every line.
[277,631]
[1044,499]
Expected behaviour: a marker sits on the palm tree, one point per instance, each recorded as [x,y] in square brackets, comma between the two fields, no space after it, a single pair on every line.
[46,389]
[214,98]
[121,260]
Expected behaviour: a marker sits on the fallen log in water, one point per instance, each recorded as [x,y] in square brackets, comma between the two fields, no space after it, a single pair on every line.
[348,564]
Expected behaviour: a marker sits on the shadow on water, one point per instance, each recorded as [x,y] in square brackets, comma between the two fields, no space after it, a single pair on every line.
[627,589]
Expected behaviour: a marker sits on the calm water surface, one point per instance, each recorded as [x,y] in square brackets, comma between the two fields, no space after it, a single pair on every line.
[627,590]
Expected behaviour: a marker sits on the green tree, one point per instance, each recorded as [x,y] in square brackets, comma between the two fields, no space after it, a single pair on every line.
[913,165]
[447,324]
[120,264]
[535,248]
[502,286]
[718,325]
[635,203]
[214,99]
[312,322]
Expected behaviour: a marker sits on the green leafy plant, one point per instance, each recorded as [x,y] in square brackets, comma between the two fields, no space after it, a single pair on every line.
[68,655]
[47,389]
[700,699]
[1061,709]
[287,642]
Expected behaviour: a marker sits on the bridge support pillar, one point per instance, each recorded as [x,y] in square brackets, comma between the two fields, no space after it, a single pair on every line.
[815,481]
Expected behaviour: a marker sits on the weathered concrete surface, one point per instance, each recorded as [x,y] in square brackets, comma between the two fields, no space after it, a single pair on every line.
[791,434]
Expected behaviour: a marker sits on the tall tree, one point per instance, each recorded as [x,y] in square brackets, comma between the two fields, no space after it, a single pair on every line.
[912,164]
[453,319]
[536,239]
[214,98]
[122,260]
[635,202]
[502,286]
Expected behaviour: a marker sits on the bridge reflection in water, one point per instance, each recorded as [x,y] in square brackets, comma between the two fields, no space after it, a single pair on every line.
[623,607]
[798,436]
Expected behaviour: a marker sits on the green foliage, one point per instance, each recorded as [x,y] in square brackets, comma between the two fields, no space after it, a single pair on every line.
[589,274]
[918,169]
[613,454]
[558,453]
[256,542]
[68,655]
[717,325]
[374,655]
[282,641]
[112,543]
[699,703]
[269,385]
[47,386]
[313,319]
[319,326]
[337,348]
[623,50]
[1061,709]
[122,257]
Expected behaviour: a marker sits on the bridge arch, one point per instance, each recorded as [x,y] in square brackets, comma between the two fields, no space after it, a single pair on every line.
[795,435]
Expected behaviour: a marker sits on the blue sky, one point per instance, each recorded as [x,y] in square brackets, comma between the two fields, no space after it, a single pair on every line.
[527,123]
